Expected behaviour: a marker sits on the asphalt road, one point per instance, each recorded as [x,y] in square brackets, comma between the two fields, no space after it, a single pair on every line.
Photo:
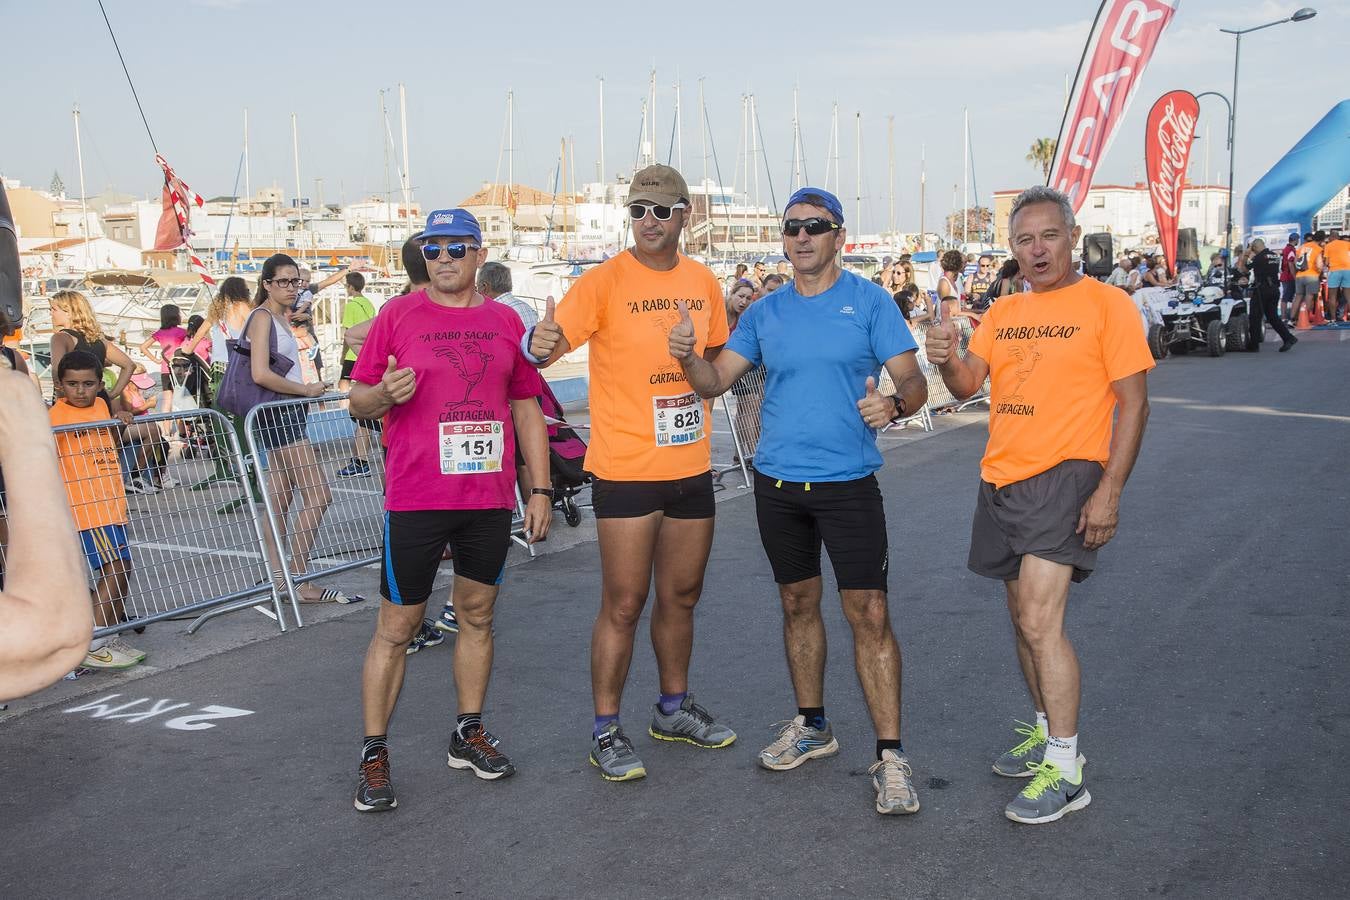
[1215,719]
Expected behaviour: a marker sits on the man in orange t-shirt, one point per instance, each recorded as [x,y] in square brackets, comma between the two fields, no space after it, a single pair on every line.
[1061,359]
[1309,263]
[1337,252]
[651,458]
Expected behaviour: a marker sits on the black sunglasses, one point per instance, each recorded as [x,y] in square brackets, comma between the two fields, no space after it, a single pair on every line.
[662,213]
[814,226]
[456,251]
[287,282]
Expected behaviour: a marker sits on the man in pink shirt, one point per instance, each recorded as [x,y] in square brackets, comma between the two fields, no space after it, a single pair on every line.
[444,368]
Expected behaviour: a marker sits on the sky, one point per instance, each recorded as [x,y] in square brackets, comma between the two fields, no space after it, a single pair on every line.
[198,64]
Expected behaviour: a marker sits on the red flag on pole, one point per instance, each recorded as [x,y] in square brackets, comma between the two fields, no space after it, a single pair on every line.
[1167,148]
[175,220]
[1118,50]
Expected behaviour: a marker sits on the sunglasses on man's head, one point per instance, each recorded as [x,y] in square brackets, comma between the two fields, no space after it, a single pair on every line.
[814,226]
[456,251]
[662,213]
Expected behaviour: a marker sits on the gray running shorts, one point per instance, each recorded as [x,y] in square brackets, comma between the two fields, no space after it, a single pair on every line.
[1037,516]
[1307,287]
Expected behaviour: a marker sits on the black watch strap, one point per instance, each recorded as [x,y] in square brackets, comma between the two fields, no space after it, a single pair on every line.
[543,492]
[899,407]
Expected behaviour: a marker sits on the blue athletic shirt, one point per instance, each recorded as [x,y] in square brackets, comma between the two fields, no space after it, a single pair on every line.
[817,353]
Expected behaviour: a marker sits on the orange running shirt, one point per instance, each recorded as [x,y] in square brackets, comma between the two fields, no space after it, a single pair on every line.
[89,466]
[1338,255]
[647,424]
[1306,262]
[1052,358]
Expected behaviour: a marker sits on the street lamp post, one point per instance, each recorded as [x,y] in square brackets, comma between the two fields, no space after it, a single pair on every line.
[1302,15]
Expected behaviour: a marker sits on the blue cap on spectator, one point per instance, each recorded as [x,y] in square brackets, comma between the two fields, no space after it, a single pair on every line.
[452,223]
[819,197]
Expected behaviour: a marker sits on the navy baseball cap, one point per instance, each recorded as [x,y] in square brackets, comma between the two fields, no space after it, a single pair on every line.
[452,223]
[819,197]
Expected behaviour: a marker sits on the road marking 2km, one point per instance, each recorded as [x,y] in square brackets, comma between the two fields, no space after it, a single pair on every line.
[133,711]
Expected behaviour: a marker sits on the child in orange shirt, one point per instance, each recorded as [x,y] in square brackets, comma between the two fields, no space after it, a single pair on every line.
[93,477]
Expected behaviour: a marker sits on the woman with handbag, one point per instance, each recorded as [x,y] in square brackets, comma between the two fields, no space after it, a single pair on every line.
[291,465]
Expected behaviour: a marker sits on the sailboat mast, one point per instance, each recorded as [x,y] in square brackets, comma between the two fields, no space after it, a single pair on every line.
[857,130]
[295,158]
[703,143]
[601,174]
[754,152]
[84,204]
[407,172]
[651,119]
[965,179]
[923,192]
[796,144]
[679,128]
[890,174]
[388,219]
[510,166]
[248,189]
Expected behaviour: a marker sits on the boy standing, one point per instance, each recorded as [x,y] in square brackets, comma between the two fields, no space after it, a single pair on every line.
[98,502]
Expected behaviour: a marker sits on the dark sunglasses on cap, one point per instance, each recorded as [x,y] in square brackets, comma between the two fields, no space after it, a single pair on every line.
[456,251]
[662,213]
[814,226]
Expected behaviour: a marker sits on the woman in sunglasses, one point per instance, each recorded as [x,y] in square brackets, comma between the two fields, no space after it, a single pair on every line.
[290,463]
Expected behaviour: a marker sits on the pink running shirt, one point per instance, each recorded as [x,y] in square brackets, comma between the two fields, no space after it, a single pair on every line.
[453,445]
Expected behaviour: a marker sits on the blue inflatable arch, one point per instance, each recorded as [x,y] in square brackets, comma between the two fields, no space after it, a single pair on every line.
[1306,177]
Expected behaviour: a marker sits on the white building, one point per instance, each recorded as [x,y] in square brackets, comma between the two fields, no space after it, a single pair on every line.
[1336,214]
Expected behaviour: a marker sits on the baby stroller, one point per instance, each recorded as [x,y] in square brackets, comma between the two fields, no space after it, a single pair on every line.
[566,455]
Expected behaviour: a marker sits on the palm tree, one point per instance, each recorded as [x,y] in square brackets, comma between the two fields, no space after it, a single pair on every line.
[1043,154]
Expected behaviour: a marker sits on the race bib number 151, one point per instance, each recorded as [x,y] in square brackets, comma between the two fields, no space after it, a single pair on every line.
[471,448]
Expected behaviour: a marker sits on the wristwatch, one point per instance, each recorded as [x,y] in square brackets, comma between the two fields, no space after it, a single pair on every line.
[899,407]
[543,492]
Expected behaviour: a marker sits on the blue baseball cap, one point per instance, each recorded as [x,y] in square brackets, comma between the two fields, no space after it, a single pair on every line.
[819,197]
[452,223]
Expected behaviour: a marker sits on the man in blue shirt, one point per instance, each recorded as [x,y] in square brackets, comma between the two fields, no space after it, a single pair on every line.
[822,341]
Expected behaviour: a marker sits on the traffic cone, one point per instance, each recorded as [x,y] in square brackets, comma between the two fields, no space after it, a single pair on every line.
[1302,319]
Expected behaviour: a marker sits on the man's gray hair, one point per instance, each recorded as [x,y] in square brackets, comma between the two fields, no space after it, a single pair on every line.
[1043,194]
[494,278]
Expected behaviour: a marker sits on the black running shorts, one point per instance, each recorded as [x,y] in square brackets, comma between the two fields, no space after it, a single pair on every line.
[413,542]
[683,498]
[1038,516]
[848,516]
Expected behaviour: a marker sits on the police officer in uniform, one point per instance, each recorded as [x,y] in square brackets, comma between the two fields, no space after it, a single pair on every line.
[1264,266]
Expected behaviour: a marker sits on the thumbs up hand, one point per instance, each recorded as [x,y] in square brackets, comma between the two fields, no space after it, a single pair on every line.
[682,337]
[398,384]
[547,334]
[875,408]
[941,343]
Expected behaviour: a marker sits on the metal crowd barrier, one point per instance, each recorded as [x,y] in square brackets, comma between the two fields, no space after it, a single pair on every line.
[939,398]
[193,537]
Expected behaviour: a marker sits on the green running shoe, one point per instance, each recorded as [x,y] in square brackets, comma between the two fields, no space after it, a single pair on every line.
[1021,761]
[613,754]
[1049,796]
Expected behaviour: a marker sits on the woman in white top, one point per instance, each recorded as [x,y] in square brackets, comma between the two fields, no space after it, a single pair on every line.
[291,465]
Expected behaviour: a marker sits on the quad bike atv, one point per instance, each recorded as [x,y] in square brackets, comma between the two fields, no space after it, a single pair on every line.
[1196,317]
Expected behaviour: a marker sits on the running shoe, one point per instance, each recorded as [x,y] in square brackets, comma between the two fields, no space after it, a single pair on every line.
[1049,796]
[796,743]
[374,790]
[122,646]
[354,469]
[140,485]
[446,621]
[613,754]
[1020,761]
[107,657]
[427,636]
[691,724]
[894,782]
[168,482]
[479,752]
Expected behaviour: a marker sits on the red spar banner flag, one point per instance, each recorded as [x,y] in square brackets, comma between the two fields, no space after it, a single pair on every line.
[1118,50]
[1167,147]
[175,220]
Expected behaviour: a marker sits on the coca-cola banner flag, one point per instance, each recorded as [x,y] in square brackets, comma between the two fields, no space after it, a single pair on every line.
[1167,147]
[1117,52]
